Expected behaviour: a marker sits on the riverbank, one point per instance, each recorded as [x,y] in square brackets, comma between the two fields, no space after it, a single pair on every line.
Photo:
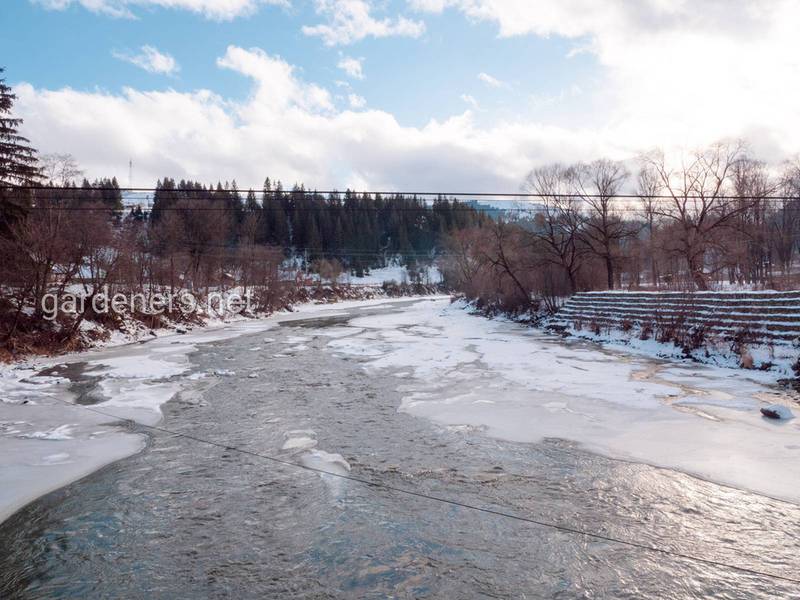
[48,440]
[668,342]
[754,330]
[82,321]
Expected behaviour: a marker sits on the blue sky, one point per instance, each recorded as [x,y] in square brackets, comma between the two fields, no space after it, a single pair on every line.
[414,79]
[452,91]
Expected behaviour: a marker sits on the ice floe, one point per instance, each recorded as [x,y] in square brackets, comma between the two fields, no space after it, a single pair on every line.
[60,433]
[329,462]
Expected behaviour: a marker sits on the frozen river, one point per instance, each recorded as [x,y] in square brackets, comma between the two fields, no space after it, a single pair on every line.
[423,397]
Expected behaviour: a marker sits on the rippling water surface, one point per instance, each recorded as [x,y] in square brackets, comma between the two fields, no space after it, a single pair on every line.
[189,520]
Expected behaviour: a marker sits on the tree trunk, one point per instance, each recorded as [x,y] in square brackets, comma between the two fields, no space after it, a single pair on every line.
[696,271]
[573,283]
[654,271]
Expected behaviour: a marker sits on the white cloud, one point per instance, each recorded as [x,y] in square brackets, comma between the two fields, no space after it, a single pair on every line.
[490,81]
[680,73]
[356,101]
[351,20]
[672,71]
[276,87]
[289,129]
[469,100]
[220,10]
[576,18]
[354,67]
[151,60]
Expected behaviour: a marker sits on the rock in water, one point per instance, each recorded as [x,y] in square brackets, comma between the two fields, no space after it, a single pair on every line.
[777,411]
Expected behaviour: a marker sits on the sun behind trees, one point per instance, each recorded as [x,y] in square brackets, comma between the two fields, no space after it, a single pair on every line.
[719,219]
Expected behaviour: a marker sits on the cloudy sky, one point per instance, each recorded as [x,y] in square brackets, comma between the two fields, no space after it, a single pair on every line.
[440,95]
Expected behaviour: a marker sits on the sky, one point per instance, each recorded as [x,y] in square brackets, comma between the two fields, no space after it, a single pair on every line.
[414,95]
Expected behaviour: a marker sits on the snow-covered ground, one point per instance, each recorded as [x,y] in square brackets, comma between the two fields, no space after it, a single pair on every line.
[131,199]
[47,442]
[397,273]
[717,352]
[516,383]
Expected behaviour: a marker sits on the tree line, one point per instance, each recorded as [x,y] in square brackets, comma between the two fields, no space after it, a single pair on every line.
[360,231]
[720,218]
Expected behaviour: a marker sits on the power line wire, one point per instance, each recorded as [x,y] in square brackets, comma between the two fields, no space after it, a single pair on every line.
[449,501]
[425,210]
[389,193]
[346,251]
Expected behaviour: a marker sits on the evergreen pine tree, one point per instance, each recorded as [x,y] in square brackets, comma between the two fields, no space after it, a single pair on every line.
[235,201]
[114,197]
[275,227]
[164,197]
[250,203]
[18,162]
[282,227]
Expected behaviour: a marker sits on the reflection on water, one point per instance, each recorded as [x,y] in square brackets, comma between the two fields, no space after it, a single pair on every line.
[189,520]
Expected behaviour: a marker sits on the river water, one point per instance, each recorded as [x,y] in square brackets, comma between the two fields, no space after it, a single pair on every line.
[183,519]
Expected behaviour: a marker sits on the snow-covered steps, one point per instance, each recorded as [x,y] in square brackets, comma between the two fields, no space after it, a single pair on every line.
[765,316]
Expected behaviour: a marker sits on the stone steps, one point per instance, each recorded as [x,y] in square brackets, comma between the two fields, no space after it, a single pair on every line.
[767,316]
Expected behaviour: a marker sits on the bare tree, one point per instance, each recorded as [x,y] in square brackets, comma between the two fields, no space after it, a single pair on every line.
[60,169]
[648,187]
[265,277]
[328,269]
[698,202]
[462,263]
[98,249]
[784,226]
[558,223]
[598,184]
[749,255]
[508,261]
[40,254]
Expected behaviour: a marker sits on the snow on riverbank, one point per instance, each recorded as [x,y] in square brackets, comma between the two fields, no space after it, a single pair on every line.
[46,441]
[394,273]
[779,357]
[522,385]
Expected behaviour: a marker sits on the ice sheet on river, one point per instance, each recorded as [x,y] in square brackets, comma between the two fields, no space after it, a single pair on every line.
[522,385]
